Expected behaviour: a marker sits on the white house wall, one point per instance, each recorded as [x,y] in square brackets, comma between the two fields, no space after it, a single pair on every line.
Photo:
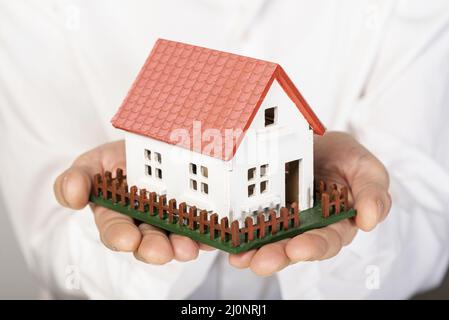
[287,140]
[175,182]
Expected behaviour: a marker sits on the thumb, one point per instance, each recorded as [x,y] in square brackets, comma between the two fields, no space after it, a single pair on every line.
[369,187]
[72,188]
[372,203]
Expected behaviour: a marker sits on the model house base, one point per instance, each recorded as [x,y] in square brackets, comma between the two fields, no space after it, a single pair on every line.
[181,218]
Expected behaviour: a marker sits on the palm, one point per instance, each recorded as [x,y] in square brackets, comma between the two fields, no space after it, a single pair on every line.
[119,232]
[338,159]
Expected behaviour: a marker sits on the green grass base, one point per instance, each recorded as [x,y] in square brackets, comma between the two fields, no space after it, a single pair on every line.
[309,219]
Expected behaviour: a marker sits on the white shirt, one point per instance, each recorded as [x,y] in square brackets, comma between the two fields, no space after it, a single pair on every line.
[377,69]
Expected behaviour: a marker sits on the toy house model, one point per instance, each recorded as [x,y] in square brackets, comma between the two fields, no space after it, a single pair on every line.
[223,132]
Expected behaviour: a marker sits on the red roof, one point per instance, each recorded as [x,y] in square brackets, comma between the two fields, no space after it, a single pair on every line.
[182,83]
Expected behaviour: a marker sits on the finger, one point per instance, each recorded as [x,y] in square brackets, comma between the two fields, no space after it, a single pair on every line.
[184,249]
[270,258]
[72,188]
[372,202]
[242,260]
[347,230]
[369,187]
[155,247]
[112,156]
[341,157]
[57,189]
[117,231]
[320,244]
[386,210]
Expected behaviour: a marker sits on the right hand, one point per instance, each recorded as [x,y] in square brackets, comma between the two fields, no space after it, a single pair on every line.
[119,232]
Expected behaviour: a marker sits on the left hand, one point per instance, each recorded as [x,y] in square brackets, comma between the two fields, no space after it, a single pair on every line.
[339,159]
[119,232]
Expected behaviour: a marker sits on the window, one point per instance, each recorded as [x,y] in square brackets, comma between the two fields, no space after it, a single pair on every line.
[158,157]
[204,171]
[264,186]
[263,170]
[251,174]
[270,116]
[196,178]
[147,154]
[152,164]
[193,184]
[251,190]
[148,170]
[258,176]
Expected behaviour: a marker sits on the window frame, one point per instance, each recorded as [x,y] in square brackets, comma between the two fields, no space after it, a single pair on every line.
[148,170]
[204,188]
[193,184]
[193,168]
[199,173]
[260,177]
[272,119]
[204,171]
[158,157]
[265,190]
[251,190]
[147,154]
[153,161]
[253,170]
[158,172]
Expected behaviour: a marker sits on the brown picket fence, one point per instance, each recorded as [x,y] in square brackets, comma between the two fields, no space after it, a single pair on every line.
[332,198]
[267,222]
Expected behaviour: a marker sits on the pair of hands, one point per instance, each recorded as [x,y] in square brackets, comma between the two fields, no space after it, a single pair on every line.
[338,159]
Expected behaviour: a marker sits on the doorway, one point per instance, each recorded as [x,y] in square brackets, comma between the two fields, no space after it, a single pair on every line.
[291,182]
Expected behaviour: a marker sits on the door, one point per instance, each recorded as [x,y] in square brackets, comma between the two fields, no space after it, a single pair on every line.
[291,182]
